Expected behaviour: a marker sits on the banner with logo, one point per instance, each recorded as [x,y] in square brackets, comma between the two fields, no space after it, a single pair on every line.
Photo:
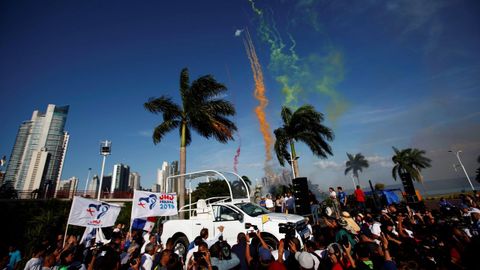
[92,213]
[150,204]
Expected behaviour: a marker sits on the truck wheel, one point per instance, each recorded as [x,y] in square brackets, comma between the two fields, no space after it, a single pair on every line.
[269,240]
[181,245]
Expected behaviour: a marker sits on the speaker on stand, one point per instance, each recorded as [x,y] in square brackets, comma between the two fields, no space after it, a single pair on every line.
[300,192]
[409,188]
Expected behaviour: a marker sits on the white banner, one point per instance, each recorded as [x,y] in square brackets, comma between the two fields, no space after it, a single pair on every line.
[150,204]
[86,212]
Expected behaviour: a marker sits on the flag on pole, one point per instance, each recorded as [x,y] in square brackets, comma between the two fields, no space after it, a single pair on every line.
[145,224]
[92,213]
[150,204]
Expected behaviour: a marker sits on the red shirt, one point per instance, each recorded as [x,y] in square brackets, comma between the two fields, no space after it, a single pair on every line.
[359,195]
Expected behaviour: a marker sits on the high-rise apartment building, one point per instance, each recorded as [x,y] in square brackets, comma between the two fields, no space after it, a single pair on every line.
[37,157]
[134,181]
[120,177]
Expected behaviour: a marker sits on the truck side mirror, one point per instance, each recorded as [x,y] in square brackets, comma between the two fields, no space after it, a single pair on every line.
[240,217]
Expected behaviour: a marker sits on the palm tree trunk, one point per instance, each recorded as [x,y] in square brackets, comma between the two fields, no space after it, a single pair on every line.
[183,170]
[358,180]
[294,160]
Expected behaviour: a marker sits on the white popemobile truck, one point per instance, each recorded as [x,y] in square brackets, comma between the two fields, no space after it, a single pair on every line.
[234,212]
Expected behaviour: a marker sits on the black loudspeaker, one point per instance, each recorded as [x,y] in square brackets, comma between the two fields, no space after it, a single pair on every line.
[300,192]
[409,188]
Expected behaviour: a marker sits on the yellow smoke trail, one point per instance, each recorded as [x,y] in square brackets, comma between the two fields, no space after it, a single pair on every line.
[262,99]
[320,72]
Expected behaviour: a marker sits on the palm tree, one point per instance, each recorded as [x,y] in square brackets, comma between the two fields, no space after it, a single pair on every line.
[356,164]
[247,181]
[201,109]
[410,161]
[305,125]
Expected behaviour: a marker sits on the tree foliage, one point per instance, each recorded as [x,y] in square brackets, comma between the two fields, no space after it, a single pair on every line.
[201,109]
[356,163]
[214,188]
[304,125]
[409,161]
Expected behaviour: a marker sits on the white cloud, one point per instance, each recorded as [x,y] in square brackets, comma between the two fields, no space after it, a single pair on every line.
[380,161]
[329,164]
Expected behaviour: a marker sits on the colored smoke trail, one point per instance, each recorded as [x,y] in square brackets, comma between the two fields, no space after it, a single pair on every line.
[235,158]
[318,72]
[262,99]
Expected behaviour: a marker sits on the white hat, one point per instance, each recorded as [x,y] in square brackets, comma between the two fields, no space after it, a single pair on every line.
[305,259]
[474,211]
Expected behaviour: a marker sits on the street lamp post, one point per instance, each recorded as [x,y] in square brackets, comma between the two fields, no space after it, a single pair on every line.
[105,150]
[463,167]
[86,182]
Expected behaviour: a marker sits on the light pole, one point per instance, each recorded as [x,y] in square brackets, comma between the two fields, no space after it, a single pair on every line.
[86,182]
[105,150]
[463,167]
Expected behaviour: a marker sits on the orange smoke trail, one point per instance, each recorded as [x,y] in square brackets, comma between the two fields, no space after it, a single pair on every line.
[260,96]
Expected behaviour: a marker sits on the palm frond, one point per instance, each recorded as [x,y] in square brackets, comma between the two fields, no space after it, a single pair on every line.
[165,106]
[280,146]
[206,87]
[164,128]
[184,84]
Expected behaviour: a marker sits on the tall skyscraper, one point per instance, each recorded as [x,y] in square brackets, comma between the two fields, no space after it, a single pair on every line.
[120,177]
[37,157]
[162,175]
[134,181]
[93,185]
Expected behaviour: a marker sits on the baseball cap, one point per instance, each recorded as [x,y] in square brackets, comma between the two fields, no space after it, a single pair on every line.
[305,259]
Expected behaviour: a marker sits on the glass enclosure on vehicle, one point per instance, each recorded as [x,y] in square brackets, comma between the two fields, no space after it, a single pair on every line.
[210,185]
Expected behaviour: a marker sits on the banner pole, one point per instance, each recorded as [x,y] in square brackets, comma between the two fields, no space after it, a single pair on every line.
[65,236]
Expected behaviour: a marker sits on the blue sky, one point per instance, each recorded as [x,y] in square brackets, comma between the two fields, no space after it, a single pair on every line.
[407,75]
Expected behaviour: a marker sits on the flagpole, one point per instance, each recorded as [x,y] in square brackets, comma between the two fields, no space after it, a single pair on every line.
[65,236]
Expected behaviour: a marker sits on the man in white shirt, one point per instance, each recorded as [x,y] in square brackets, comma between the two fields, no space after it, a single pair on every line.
[37,259]
[147,257]
[269,203]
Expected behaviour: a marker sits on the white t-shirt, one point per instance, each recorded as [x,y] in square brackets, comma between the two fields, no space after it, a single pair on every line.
[269,203]
[147,261]
[34,264]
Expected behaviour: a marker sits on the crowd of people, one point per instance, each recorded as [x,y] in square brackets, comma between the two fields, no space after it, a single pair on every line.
[352,236]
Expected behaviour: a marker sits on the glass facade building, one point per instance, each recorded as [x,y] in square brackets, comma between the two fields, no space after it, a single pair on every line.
[37,157]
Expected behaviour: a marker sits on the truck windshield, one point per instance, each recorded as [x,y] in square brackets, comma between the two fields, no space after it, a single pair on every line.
[252,209]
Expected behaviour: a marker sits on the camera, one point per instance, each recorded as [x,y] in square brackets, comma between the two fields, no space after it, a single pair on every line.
[197,256]
[133,261]
[287,228]
[97,246]
[253,233]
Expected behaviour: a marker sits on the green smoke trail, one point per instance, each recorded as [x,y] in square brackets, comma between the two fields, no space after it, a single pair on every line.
[298,76]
